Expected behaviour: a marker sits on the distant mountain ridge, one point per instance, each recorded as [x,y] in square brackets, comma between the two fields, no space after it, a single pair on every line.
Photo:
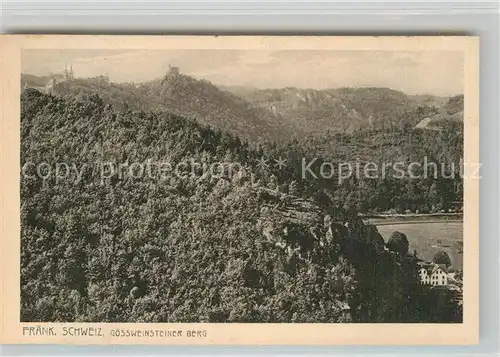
[262,114]
[178,94]
[311,111]
[203,101]
[31,80]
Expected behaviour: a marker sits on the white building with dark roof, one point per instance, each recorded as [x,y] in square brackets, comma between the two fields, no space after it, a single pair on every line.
[433,274]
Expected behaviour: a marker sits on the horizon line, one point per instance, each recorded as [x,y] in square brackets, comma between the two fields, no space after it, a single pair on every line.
[261,88]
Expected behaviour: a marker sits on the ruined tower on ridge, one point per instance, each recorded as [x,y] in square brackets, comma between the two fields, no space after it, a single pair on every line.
[173,70]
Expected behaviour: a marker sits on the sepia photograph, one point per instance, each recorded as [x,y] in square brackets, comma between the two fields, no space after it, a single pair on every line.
[265,185]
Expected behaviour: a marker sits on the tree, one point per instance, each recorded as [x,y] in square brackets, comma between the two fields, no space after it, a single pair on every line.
[398,242]
[442,257]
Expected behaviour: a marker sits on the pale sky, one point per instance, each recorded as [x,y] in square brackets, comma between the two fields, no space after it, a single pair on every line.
[427,72]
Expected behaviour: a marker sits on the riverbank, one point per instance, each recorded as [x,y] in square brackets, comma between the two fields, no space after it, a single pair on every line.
[385,219]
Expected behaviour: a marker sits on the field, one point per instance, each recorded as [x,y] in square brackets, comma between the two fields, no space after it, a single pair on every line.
[424,237]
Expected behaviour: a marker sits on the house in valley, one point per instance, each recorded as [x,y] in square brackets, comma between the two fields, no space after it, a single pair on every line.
[433,274]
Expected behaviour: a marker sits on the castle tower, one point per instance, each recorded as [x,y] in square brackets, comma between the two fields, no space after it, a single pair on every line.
[173,70]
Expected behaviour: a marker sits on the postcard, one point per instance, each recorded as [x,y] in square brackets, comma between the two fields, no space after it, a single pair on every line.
[239,190]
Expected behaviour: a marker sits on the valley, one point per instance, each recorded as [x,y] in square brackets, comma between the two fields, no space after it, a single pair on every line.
[262,243]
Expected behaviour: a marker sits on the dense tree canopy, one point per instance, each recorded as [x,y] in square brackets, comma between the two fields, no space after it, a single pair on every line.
[346,125]
[106,243]
[442,257]
[398,242]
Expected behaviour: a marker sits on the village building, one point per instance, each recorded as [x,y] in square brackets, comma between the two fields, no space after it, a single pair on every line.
[433,274]
[48,87]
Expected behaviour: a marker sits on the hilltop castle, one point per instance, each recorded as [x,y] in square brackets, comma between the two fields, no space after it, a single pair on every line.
[173,70]
[54,79]
[171,76]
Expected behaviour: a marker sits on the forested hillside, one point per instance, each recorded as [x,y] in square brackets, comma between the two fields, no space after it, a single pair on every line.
[337,110]
[346,125]
[235,245]
[270,114]
[347,110]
